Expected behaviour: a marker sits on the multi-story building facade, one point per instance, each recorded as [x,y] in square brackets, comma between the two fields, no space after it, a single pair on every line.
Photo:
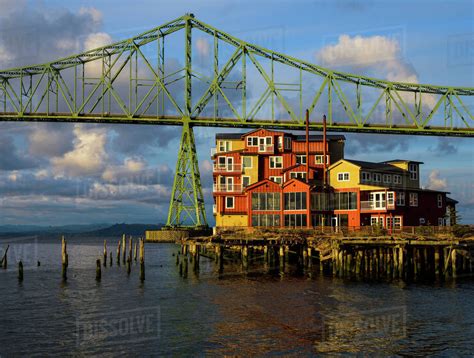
[277,179]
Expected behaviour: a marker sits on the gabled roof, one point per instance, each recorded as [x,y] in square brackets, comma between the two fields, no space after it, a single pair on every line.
[261,182]
[291,181]
[296,166]
[451,201]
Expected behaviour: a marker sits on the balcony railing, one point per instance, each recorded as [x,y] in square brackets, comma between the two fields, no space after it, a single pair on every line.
[227,188]
[264,148]
[236,168]
[376,205]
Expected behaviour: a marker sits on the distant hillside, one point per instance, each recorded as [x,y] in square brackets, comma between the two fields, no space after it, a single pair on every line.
[119,229]
[95,230]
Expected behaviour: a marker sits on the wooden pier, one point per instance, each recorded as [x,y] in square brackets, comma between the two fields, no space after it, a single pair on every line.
[417,258]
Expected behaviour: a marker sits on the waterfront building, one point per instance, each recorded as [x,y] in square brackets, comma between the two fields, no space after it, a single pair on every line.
[267,178]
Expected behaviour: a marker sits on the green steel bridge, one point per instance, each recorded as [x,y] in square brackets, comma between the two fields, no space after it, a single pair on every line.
[159,78]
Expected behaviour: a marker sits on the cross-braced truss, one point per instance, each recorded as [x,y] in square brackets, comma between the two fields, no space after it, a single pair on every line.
[157,78]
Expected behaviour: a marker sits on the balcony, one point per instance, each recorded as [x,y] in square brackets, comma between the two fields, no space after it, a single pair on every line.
[227,168]
[376,205]
[227,188]
[266,148]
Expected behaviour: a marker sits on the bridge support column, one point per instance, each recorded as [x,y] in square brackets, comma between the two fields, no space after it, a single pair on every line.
[187,202]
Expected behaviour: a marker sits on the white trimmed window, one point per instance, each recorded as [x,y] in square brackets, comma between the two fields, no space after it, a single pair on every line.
[245,181]
[301,159]
[441,222]
[287,143]
[252,141]
[277,180]
[400,198]
[247,162]
[276,162]
[280,142]
[318,159]
[298,175]
[365,176]
[342,176]
[387,178]
[390,198]
[413,199]
[225,146]
[377,177]
[413,169]
[229,202]
[440,201]
[397,179]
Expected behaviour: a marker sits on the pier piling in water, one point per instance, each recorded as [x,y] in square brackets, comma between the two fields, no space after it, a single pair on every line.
[124,248]
[363,258]
[105,253]
[118,253]
[98,270]
[142,259]
[20,271]
[4,258]
[64,258]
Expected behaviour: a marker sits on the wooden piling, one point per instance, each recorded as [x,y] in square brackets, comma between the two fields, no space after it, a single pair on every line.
[4,259]
[111,260]
[124,248]
[64,258]
[105,253]
[118,253]
[98,270]
[142,259]
[136,252]
[437,261]
[130,249]
[20,271]
[454,262]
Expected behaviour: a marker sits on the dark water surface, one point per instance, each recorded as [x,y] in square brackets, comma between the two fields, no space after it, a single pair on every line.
[210,313]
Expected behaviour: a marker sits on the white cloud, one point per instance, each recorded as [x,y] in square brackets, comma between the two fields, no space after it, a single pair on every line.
[373,54]
[14,176]
[95,14]
[435,182]
[88,156]
[97,39]
[131,166]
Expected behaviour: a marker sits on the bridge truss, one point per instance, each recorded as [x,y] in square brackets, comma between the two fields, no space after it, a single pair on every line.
[188,73]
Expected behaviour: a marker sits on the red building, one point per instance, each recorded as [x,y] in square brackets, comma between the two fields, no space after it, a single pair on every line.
[277,179]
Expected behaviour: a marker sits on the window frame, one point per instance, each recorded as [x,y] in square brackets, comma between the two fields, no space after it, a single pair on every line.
[250,138]
[413,170]
[271,177]
[367,175]
[247,177]
[233,202]
[387,178]
[397,179]
[243,162]
[301,156]
[413,200]
[272,158]
[439,200]
[320,161]
[343,176]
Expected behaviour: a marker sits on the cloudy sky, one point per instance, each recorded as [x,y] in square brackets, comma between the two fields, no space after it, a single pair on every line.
[67,174]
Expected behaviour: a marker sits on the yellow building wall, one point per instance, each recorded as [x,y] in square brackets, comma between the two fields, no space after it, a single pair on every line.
[231,220]
[401,165]
[251,172]
[236,144]
[344,167]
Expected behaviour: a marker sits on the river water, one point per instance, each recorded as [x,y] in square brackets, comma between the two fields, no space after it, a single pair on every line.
[234,312]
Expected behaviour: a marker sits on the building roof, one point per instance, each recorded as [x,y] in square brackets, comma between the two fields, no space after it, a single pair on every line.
[375,166]
[317,137]
[402,161]
[229,135]
[451,201]
[298,138]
